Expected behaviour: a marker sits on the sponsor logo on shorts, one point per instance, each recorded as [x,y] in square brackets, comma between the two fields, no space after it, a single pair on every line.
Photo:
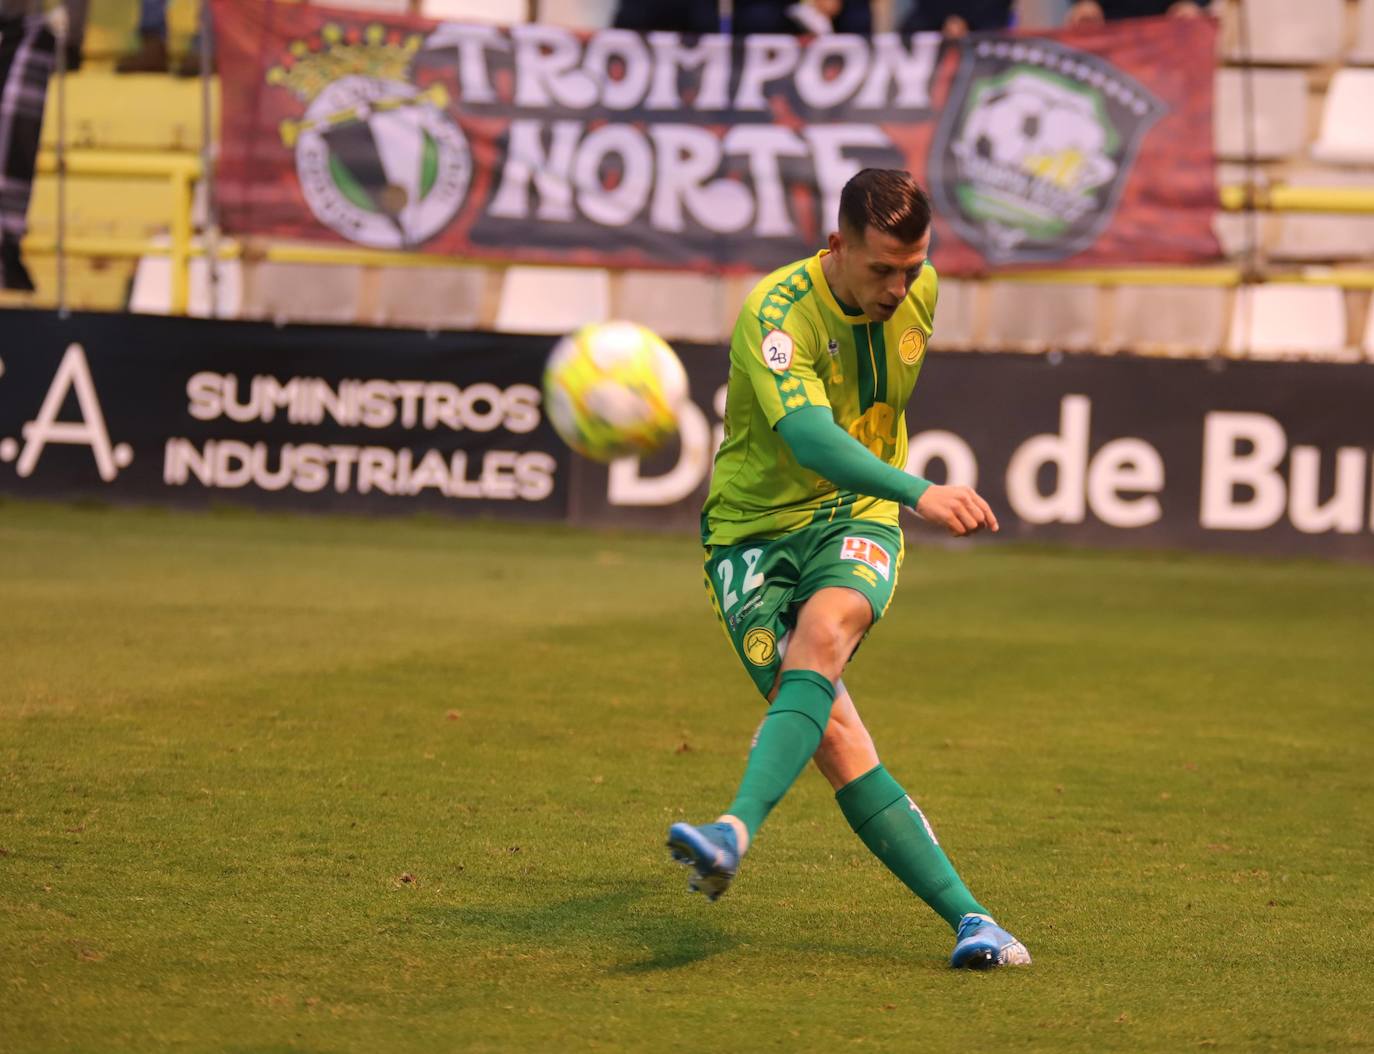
[867,575]
[777,351]
[749,605]
[760,646]
[867,551]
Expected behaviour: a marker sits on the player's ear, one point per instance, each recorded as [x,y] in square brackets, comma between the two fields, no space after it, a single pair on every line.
[835,241]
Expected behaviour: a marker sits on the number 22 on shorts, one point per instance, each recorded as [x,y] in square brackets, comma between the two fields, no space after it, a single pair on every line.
[725,571]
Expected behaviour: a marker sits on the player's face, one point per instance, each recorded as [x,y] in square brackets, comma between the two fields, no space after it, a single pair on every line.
[877,270]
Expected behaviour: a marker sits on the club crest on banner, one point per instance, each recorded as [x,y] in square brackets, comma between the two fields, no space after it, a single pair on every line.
[1034,147]
[379,159]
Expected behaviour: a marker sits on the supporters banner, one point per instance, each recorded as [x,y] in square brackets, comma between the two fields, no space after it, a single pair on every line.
[179,411]
[1088,147]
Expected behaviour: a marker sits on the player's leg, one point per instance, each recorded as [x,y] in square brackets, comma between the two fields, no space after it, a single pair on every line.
[895,830]
[886,819]
[830,624]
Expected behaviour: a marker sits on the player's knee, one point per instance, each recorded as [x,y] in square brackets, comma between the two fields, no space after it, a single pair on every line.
[824,646]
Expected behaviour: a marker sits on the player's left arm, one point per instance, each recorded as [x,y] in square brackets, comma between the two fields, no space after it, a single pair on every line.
[822,446]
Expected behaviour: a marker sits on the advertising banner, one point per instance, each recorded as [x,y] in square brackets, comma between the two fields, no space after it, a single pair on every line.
[1244,457]
[1087,147]
[186,412]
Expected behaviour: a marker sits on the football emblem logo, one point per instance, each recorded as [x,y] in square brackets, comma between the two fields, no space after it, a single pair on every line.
[760,646]
[379,160]
[912,345]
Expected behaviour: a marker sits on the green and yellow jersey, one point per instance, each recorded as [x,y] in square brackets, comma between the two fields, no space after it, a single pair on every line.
[795,346]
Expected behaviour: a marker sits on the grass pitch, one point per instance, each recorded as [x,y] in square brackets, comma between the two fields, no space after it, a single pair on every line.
[273,784]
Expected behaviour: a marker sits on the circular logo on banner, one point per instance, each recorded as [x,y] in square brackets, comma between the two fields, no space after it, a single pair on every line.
[382,163]
[777,351]
[760,646]
[912,345]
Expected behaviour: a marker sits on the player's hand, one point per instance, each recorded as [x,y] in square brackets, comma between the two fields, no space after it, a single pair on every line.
[958,509]
[955,28]
[1085,13]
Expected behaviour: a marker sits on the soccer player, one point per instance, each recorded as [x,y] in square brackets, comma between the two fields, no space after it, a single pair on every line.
[802,542]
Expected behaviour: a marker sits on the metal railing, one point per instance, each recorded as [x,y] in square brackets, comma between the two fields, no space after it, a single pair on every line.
[181,171]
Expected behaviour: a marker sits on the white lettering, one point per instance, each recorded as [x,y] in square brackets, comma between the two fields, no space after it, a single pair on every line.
[546,72]
[961,466]
[1344,510]
[636,67]
[1131,465]
[1068,451]
[73,372]
[1224,468]
[711,55]
[628,487]
[767,57]
[688,158]
[550,171]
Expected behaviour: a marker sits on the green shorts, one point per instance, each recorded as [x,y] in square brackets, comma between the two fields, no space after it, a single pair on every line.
[757,587]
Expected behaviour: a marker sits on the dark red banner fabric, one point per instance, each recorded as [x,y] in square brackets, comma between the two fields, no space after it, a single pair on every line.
[534,143]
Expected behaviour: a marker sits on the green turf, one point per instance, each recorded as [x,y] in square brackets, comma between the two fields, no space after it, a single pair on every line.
[276,784]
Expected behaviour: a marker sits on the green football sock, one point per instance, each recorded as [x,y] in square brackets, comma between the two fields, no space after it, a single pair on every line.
[896,832]
[787,738]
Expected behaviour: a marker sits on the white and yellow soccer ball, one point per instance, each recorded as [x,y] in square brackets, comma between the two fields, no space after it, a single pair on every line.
[613,389]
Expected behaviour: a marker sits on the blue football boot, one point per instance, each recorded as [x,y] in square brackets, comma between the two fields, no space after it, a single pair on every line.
[981,944]
[712,852]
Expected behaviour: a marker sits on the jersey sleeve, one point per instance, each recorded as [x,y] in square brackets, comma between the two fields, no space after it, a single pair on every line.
[780,361]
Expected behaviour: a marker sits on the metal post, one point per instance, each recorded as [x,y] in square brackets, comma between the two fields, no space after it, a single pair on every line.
[210,235]
[59,23]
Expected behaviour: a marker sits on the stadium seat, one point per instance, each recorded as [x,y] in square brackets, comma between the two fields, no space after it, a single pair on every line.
[577,14]
[384,7]
[1288,321]
[429,298]
[303,293]
[1168,320]
[497,12]
[1240,232]
[1363,51]
[552,299]
[1347,116]
[1025,316]
[955,316]
[1279,31]
[675,306]
[1315,237]
[735,290]
[151,293]
[109,111]
[1278,117]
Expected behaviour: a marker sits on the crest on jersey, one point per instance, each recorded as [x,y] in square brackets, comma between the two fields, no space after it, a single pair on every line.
[912,345]
[379,159]
[1034,147]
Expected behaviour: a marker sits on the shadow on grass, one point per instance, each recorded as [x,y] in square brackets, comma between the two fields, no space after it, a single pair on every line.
[637,937]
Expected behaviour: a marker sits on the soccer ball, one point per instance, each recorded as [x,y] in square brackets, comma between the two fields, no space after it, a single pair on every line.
[613,389]
[1040,128]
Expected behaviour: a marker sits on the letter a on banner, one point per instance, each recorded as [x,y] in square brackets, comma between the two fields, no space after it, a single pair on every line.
[73,372]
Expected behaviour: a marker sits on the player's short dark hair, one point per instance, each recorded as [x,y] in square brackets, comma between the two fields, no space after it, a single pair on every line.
[887,199]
